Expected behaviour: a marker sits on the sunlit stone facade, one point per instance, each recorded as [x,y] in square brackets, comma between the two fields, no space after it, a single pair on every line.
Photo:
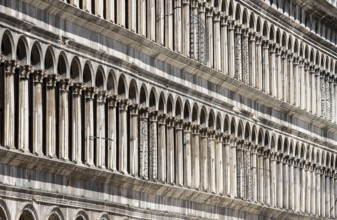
[168,109]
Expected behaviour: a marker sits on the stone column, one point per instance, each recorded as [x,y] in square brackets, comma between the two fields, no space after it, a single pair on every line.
[335,93]
[75,3]
[177,26]
[187,155]
[162,148]
[195,157]
[313,190]
[87,5]
[231,51]
[332,195]
[238,53]
[254,174]
[160,25]
[50,115]
[252,60]
[217,44]
[273,71]
[307,91]
[327,97]
[226,162]
[291,184]
[186,27]
[151,19]
[291,79]
[285,82]
[313,91]
[327,194]
[224,45]
[279,73]
[37,113]
[308,194]
[120,5]
[302,84]
[332,98]
[179,152]
[279,187]
[89,93]
[142,17]
[143,144]
[266,73]
[100,130]
[132,13]
[123,137]
[318,191]
[267,178]
[323,95]
[261,180]
[233,168]
[303,185]
[259,70]
[209,36]
[133,142]
[168,24]
[297,177]
[285,183]
[318,92]
[273,166]
[211,160]
[296,83]
[240,170]
[99,8]
[323,192]
[8,103]
[203,159]
[245,57]
[170,151]
[194,29]
[112,139]
[23,120]
[219,164]
[64,119]
[110,10]
[77,123]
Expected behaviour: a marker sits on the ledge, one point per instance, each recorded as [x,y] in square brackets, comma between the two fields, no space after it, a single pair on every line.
[17,158]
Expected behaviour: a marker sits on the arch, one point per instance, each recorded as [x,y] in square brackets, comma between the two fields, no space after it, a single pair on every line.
[286,146]
[169,105]
[62,65]
[87,74]
[81,215]
[162,103]
[273,143]
[187,110]
[133,91]
[254,131]
[247,132]
[4,212]
[258,25]
[267,139]
[122,88]
[143,95]
[284,40]
[217,5]
[245,18]
[231,9]
[56,214]
[306,52]
[297,150]
[290,43]
[28,213]
[278,36]
[279,145]
[203,117]
[302,152]
[226,125]
[260,137]
[265,30]
[312,59]
[272,33]
[240,132]
[238,13]
[100,78]
[252,21]
[296,47]
[49,60]
[233,131]
[195,111]
[211,120]
[111,82]
[7,44]
[178,111]
[22,50]
[103,216]
[75,69]
[218,122]
[35,55]
[153,99]
[224,6]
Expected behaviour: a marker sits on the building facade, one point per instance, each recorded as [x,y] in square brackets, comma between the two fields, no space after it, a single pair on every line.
[168,109]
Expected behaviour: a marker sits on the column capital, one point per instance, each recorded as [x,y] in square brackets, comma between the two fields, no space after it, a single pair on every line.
[204,131]
[231,25]
[211,134]
[216,16]
[112,101]
[252,36]
[64,85]
[10,66]
[224,20]
[202,7]
[77,88]
[209,11]
[124,104]
[238,29]
[89,92]
[194,4]
[162,118]
[265,44]
[272,47]
[170,121]
[278,50]
[258,40]
[51,80]
[195,129]
[186,2]
[245,32]
[38,76]
[187,126]
[290,57]
[219,136]
[101,96]
[179,123]
[25,71]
